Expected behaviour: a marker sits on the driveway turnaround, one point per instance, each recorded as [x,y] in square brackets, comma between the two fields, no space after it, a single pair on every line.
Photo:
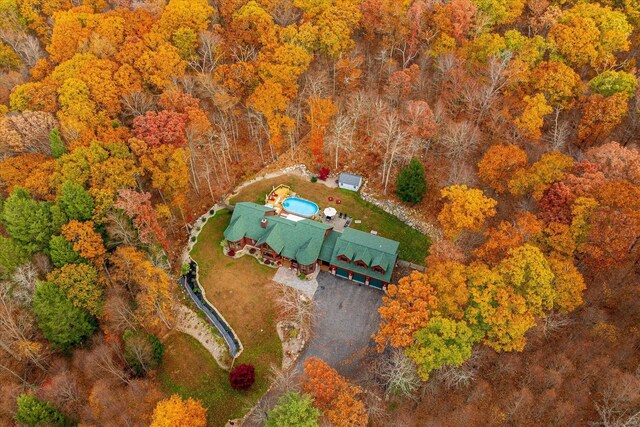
[347,316]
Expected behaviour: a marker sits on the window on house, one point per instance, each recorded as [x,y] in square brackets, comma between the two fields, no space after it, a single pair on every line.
[343,259]
[361,264]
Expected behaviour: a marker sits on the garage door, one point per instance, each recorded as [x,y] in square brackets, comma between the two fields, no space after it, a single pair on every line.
[340,272]
[358,278]
[376,283]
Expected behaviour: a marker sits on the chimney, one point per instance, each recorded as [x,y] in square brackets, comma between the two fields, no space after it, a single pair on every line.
[263,222]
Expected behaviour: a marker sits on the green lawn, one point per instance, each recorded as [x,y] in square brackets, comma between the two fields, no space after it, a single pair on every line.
[239,288]
[414,246]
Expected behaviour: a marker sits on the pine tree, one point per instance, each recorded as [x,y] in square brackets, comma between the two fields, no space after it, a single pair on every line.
[33,411]
[61,322]
[61,252]
[412,184]
[293,409]
[27,220]
[55,141]
[76,202]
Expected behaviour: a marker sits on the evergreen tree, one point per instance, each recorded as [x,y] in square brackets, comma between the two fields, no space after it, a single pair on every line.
[55,141]
[76,202]
[293,409]
[12,255]
[61,252]
[58,218]
[411,184]
[33,412]
[28,221]
[60,321]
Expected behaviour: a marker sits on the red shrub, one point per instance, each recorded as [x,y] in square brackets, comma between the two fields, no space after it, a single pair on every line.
[242,377]
[231,252]
[323,173]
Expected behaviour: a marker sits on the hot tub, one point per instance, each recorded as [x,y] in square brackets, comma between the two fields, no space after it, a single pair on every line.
[300,207]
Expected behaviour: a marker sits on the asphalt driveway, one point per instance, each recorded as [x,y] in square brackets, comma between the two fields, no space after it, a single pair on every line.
[347,316]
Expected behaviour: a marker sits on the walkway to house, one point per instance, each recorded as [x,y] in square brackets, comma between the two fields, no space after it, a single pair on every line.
[290,278]
[347,316]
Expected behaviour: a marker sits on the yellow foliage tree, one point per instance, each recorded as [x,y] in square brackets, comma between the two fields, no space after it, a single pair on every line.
[532,118]
[465,209]
[496,313]
[527,272]
[568,284]
[178,412]
[539,176]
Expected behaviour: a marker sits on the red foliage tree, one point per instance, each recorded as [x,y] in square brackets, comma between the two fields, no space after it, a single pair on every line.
[555,204]
[165,127]
[138,207]
[323,173]
[242,377]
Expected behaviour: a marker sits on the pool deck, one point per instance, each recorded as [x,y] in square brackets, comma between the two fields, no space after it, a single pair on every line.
[277,195]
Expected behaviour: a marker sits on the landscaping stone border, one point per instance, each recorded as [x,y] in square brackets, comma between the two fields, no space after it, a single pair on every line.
[214,317]
[405,214]
[191,285]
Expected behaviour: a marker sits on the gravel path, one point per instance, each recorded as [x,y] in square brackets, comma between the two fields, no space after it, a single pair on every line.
[288,277]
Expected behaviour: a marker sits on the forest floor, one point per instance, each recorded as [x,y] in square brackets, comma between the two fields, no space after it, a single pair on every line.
[414,246]
[239,289]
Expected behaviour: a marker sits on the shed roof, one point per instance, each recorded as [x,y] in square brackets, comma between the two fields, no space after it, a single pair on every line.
[350,179]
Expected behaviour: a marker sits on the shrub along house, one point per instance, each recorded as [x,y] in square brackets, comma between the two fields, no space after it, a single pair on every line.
[305,245]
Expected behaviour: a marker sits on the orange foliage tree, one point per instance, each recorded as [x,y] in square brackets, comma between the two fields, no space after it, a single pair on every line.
[508,235]
[499,163]
[321,110]
[332,394]
[406,307]
[85,240]
[600,116]
[132,269]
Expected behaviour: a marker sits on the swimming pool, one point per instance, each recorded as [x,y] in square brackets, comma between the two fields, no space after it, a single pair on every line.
[298,206]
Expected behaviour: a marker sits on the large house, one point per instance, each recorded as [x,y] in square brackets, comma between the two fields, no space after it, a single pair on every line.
[306,245]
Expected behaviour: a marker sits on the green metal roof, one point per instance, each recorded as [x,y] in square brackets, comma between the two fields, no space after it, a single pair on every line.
[305,240]
[329,244]
[370,248]
[301,240]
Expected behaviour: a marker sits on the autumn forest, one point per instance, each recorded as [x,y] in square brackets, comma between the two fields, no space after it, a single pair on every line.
[123,121]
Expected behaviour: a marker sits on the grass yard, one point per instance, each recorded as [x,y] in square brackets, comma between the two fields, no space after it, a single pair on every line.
[414,246]
[189,370]
[240,291]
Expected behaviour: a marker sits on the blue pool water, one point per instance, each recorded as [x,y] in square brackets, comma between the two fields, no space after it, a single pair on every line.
[298,206]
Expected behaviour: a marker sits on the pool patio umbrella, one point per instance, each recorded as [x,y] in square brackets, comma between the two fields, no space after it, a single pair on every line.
[330,212]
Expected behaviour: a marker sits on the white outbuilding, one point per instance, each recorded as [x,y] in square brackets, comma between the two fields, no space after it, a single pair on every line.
[349,181]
